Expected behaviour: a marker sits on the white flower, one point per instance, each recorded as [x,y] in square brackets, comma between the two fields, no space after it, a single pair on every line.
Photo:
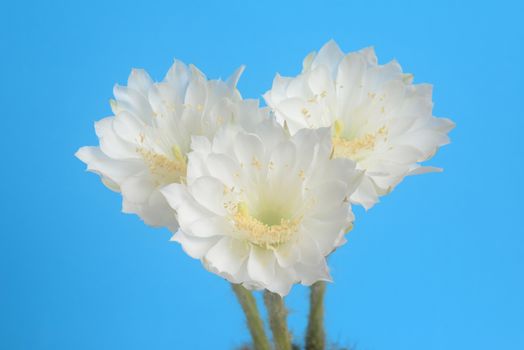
[143,146]
[378,117]
[264,209]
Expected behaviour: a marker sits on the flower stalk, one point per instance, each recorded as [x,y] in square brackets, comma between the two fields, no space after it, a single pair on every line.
[254,322]
[315,334]
[277,320]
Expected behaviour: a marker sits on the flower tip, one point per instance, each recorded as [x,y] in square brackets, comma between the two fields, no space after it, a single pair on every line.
[331,45]
[81,153]
[177,63]
[195,71]
[235,77]
[367,205]
[308,61]
[450,124]
[267,96]
[77,154]
[424,170]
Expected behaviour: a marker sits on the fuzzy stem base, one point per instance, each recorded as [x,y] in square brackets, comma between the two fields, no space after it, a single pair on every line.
[277,320]
[254,322]
[315,335]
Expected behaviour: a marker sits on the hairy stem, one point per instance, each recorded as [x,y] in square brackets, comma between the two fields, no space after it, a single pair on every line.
[254,322]
[315,335]
[277,320]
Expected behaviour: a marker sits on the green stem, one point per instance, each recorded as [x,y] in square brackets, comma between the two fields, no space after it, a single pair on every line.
[254,322]
[315,336]
[277,320]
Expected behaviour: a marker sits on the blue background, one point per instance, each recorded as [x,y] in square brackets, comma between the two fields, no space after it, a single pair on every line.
[437,265]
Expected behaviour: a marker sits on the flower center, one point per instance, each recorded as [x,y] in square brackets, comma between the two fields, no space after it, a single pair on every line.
[267,231]
[355,148]
[165,169]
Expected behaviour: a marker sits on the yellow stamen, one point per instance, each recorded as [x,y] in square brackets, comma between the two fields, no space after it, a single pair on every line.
[178,154]
[165,169]
[256,163]
[305,112]
[352,148]
[261,234]
[338,127]
[302,175]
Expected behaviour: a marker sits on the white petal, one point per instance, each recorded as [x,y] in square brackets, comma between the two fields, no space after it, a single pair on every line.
[261,265]
[133,102]
[195,247]
[200,144]
[366,194]
[228,255]
[424,140]
[283,281]
[287,254]
[196,93]
[309,251]
[233,79]
[127,127]
[178,75]
[140,81]
[188,209]
[112,144]
[114,170]
[207,226]
[292,109]
[137,188]
[154,211]
[196,166]
[209,192]
[330,193]
[349,81]
[424,170]
[308,60]
[247,147]
[326,233]
[329,55]
[369,54]
[224,168]
[320,80]
[444,125]
[282,160]
[310,274]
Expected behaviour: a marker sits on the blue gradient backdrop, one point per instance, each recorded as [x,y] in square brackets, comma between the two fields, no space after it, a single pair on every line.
[437,265]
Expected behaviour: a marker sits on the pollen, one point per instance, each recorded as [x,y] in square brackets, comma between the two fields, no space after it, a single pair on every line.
[256,163]
[262,234]
[165,169]
[305,112]
[354,148]
[338,127]
[407,78]
[302,175]
[178,153]
[141,138]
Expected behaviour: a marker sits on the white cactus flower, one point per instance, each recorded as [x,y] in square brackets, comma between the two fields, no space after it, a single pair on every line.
[378,118]
[264,208]
[144,146]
